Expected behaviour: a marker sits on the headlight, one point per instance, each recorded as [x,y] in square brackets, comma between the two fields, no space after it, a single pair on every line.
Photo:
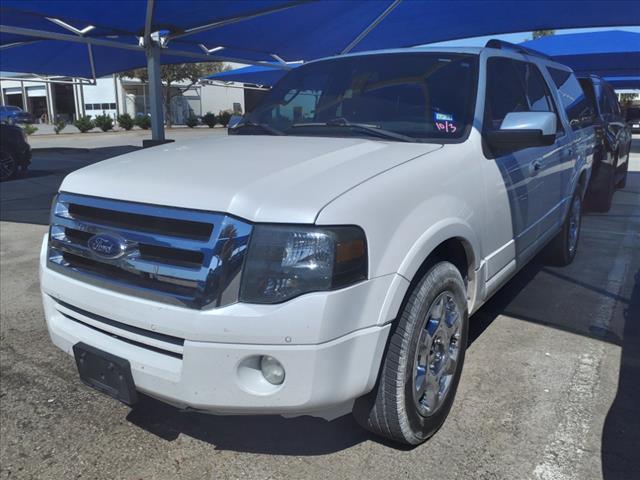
[287,261]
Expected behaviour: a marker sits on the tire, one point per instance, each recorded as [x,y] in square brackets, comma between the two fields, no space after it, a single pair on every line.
[8,166]
[432,329]
[601,199]
[563,248]
[623,181]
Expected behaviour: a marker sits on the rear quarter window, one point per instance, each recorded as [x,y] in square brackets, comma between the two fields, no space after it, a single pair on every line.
[573,98]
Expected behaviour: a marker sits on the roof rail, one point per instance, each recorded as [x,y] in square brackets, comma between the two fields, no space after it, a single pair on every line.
[502,45]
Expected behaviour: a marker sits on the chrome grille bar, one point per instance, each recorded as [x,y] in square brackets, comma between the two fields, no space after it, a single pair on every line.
[163,253]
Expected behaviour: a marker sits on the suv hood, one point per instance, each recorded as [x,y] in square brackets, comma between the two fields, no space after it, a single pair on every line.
[259,178]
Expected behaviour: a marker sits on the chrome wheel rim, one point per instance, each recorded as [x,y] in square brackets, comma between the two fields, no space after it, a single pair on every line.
[437,354]
[574,225]
[7,166]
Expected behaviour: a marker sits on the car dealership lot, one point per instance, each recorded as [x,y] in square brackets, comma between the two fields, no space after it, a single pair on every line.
[549,389]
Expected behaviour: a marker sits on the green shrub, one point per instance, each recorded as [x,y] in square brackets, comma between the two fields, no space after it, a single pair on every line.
[84,123]
[59,125]
[209,119]
[104,122]
[224,117]
[30,129]
[192,121]
[125,121]
[143,121]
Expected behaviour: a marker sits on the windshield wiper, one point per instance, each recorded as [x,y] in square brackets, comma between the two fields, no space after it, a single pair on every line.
[361,127]
[267,128]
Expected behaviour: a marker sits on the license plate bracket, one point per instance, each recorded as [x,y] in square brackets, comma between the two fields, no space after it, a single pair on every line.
[105,372]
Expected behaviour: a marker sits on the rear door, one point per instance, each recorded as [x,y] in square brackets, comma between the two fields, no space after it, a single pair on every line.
[579,116]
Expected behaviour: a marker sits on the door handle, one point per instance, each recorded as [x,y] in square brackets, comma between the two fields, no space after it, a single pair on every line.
[536,166]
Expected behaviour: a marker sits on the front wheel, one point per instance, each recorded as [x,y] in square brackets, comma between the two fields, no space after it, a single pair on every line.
[423,363]
[562,249]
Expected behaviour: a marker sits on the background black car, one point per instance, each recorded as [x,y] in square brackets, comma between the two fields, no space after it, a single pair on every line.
[15,152]
[632,114]
[613,144]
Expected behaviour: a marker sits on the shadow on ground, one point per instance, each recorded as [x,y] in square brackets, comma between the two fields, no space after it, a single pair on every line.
[621,433]
[27,198]
[254,434]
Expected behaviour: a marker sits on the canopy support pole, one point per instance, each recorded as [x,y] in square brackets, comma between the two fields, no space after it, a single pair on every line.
[371,26]
[155,92]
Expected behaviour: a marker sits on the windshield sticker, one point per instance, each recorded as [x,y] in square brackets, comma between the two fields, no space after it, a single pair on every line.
[445,122]
[445,117]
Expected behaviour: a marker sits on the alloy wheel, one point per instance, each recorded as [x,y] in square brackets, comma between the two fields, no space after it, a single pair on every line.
[437,354]
[574,225]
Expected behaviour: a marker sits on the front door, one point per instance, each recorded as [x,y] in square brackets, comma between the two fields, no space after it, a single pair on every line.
[528,173]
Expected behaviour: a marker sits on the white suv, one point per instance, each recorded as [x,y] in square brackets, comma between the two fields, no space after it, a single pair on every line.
[326,256]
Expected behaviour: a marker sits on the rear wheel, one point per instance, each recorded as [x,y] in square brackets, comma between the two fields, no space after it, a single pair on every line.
[562,249]
[8,165]
[423,363]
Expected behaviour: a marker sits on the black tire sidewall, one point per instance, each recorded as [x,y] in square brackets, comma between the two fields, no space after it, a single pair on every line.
[7,155]
[442,277]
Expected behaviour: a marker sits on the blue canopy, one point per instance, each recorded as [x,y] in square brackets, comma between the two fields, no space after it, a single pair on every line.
[50,36]
[612,53]
[254,74]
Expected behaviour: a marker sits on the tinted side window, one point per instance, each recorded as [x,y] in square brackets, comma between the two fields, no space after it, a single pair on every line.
[505,92]
[613,101]
[573,98]
[534,87]
[590,91]
[537,91]
[605,104]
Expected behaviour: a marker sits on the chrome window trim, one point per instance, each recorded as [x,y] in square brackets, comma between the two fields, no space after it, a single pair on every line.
[214,283]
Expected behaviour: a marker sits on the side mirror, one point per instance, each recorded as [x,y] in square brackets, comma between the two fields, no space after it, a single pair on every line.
[234,121]
[521,130]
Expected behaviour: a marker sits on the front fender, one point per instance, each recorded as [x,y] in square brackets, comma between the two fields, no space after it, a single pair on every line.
[436,234]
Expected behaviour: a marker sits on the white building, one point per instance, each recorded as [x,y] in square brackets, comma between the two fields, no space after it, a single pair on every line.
[48,98]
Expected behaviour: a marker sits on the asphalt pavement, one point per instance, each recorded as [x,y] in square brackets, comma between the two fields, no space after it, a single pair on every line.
[550,387]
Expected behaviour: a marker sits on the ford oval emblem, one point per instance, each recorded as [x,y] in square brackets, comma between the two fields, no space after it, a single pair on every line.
[107,246]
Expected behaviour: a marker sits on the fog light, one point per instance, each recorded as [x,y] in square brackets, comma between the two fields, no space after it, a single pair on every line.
[272,370]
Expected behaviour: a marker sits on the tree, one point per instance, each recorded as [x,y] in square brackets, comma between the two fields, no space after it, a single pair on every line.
[626,99]
[536,34]
[173,77]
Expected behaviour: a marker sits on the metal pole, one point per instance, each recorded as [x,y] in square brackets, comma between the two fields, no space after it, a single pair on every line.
[82,104]
[51,102]
[117,94]
[76,103]
[25,105]
[155,92]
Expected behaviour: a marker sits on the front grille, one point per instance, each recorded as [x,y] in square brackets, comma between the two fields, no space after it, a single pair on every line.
[186,257]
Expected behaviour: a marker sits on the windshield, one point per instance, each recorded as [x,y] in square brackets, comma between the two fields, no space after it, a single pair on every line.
[420,96]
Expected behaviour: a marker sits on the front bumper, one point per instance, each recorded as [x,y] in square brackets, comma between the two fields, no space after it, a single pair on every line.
[330,344]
